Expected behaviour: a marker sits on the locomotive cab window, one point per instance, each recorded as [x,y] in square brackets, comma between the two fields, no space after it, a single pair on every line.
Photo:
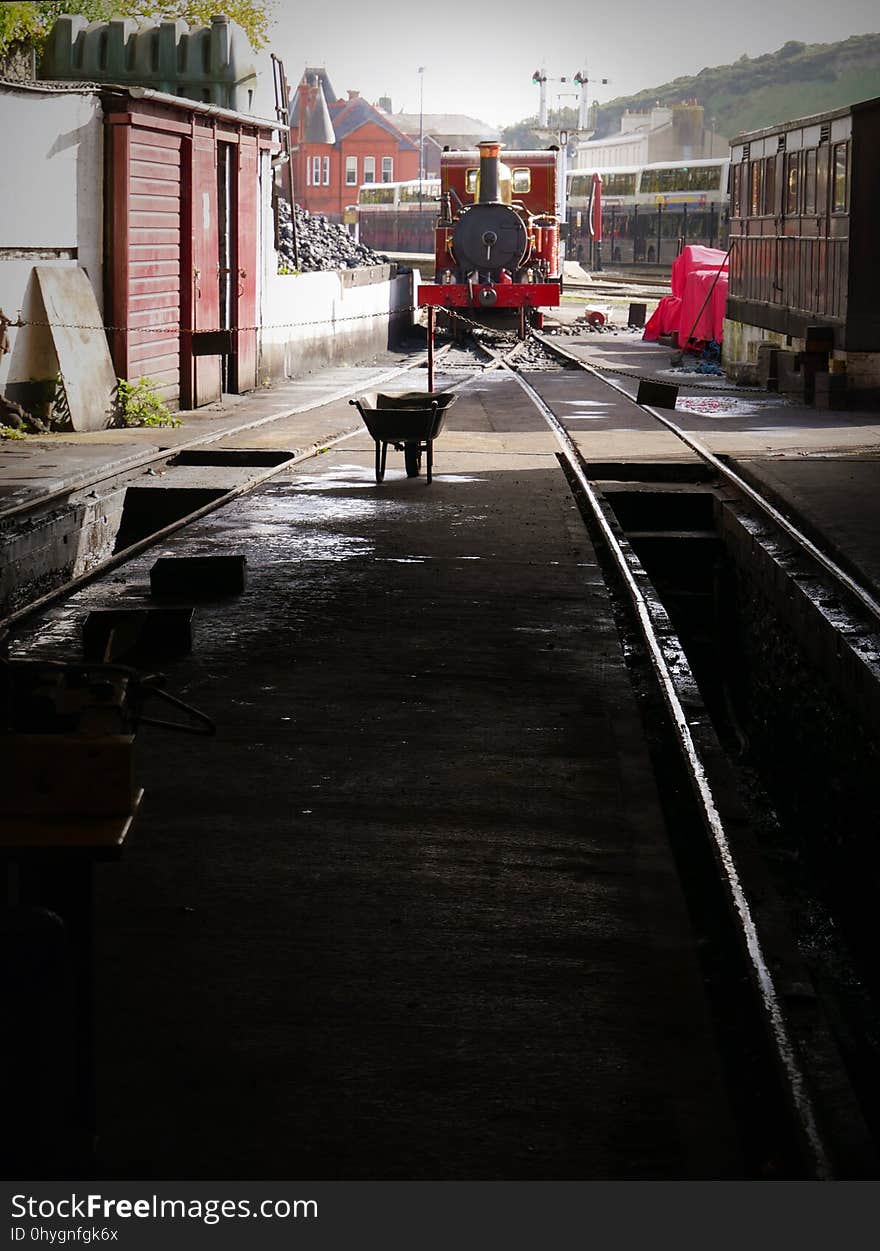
[522,181]
[470,181]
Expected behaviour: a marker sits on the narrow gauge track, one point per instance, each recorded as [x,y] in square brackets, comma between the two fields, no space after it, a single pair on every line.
[805,1091]
[167,458]
[826,1123]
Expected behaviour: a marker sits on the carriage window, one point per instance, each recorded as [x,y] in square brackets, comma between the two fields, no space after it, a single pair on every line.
[470,181]
[792,170]
[770,186]
[755,204]
[839,185]
[810,181]
[578,185]
[522,181]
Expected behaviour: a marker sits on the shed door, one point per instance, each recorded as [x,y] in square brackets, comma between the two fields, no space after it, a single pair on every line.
[245,338]
[204,255]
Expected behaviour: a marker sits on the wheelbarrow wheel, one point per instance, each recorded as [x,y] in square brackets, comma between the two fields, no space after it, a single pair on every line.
[412,455]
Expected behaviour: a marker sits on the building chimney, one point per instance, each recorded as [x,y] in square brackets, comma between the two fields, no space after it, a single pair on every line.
[353,95]
[385,104]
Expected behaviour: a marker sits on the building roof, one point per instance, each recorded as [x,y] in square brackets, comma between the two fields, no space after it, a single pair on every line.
[318,127]
[350,115]
[457,124]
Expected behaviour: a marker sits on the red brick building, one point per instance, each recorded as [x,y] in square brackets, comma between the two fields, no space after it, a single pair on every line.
[340,144]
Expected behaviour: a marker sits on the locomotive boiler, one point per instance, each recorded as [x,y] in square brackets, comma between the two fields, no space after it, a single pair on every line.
[497,238]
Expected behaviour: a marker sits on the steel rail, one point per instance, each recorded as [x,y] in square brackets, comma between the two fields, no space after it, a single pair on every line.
[135,549]
[150,458]
[856,589]
[817,1154]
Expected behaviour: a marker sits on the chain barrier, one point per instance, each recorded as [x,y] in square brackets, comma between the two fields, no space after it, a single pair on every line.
[169,328]
[174,328]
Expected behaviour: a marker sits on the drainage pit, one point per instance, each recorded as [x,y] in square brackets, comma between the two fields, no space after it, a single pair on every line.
[791,682]
[147,510]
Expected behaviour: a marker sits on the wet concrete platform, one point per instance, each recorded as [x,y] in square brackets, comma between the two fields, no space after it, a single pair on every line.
[412,913]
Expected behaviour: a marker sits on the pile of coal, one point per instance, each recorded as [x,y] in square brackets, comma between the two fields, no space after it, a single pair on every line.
[320,244]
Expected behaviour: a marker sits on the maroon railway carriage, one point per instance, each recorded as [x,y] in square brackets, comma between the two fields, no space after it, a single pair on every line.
[497,238]
[803,263]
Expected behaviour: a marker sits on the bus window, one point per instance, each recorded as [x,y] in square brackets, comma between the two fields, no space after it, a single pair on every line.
[578,185]
[619,184]
[376,194]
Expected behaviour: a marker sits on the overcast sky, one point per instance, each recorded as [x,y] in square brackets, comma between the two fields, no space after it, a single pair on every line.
[479,55]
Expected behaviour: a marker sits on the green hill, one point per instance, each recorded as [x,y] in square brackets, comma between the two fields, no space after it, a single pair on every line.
[796,81]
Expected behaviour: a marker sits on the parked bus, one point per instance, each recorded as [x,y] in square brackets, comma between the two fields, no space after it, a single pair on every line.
[399,216]
[649,212]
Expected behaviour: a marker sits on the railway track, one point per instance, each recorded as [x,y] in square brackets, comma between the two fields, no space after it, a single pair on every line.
[799,1108]
[829,1127]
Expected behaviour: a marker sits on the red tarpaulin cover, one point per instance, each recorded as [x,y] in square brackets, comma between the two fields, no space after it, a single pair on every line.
[693,272]
[664,319]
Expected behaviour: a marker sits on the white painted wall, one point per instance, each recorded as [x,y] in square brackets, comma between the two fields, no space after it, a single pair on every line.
[311,320]
[51,154]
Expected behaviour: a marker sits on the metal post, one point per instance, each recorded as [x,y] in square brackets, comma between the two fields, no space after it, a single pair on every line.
[430,348]
[421,131]
[659,227]
[612,236]
[684,227]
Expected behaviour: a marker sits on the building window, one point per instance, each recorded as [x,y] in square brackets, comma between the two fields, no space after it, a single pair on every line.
[387,169]
[316,171]
[351,171]
[838,202]
[369,169]
[326,171]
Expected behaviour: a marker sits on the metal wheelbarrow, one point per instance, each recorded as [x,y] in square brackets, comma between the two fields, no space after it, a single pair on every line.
[409,422]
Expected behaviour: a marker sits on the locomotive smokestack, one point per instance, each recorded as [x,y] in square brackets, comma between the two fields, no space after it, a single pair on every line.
[489,192]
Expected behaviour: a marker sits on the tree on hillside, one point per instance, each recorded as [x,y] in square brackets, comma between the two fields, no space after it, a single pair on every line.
[30,23]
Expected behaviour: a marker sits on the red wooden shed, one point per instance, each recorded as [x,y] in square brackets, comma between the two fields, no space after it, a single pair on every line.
[182,242]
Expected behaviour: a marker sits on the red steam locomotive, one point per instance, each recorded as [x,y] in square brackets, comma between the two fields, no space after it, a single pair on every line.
[497,237]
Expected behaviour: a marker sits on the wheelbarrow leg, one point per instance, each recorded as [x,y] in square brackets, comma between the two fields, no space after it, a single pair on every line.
[381,453]
[429,459]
